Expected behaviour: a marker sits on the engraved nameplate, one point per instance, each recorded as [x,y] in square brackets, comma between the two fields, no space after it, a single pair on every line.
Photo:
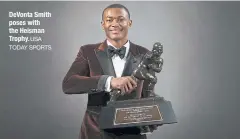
[137,115]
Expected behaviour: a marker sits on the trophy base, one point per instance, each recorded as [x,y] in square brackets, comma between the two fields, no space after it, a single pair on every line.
[137,113]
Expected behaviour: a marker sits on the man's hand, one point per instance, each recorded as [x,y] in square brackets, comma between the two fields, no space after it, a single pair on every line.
[125,84]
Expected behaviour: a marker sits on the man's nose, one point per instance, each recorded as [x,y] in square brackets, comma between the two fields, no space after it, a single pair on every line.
[115,23]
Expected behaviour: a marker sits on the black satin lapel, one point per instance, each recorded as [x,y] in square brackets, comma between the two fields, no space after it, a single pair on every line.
[130,65]
[106,63]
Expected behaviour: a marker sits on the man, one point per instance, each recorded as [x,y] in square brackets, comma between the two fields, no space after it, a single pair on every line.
[99,68]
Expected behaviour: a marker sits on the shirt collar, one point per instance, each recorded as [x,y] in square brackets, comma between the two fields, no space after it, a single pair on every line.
[127,45]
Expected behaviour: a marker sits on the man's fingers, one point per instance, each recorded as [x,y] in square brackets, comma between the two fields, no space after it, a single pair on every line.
[130,87]
[126,89]
[125,84]
[132,81]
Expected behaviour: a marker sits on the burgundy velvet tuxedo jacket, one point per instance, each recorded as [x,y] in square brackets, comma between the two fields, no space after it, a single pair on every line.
[88,74]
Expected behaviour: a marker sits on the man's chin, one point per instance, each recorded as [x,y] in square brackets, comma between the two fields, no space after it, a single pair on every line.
[116,38]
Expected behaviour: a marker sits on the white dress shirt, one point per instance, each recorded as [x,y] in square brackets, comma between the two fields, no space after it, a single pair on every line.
[118,65]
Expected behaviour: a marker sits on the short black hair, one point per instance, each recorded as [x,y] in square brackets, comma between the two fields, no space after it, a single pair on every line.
[117,6]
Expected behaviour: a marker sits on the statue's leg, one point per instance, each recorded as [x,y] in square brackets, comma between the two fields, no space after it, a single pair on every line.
[151,90]
[153,81]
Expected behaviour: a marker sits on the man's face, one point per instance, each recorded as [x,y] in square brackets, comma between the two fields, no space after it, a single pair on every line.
[116,23]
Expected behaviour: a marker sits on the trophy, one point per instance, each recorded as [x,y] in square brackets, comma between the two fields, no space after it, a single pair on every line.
[145,113]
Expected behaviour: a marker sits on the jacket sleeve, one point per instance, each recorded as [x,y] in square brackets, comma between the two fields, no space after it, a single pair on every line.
[78,80]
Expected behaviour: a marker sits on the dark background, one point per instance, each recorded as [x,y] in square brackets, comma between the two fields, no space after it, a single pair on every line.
[200,74]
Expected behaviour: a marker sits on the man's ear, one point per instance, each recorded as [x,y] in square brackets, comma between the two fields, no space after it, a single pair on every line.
[102,24]
[130,23]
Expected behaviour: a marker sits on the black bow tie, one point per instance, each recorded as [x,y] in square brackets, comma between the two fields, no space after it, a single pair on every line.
[120,52]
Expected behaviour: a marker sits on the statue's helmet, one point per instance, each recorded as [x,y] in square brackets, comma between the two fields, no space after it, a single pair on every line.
[157,48]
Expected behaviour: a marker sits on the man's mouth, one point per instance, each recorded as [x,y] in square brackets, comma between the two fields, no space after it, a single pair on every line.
[115,31]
